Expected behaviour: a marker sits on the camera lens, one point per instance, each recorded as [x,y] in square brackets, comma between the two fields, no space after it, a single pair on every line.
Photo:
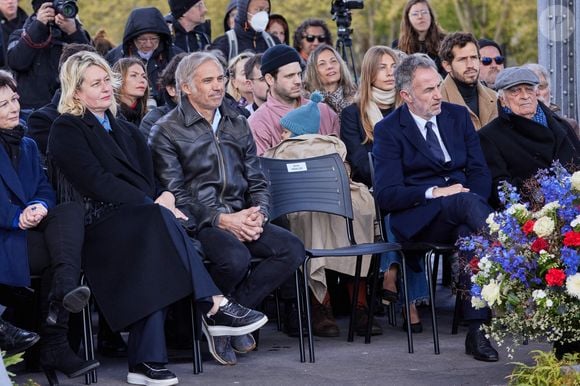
[69,10]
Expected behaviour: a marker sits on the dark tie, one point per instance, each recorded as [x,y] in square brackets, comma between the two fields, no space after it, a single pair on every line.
[433,142]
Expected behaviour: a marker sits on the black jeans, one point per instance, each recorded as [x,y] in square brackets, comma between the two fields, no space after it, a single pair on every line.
[230,268]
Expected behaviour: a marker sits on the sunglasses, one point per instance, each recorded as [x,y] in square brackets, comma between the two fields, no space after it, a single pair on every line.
[486,60]
[311,38]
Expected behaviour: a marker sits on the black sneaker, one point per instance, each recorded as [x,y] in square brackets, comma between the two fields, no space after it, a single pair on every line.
[151,374]
[234,319]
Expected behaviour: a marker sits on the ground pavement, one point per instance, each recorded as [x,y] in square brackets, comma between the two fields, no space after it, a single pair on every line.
[384,362]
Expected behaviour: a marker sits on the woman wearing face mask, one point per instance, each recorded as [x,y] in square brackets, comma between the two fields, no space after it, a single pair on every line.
[249,30]
[326,71]
[134,91]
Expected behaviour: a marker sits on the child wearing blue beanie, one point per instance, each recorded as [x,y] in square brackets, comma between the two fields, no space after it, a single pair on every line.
[303,120]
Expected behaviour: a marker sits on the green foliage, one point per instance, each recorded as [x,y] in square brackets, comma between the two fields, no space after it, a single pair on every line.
[547,371]
[12,360]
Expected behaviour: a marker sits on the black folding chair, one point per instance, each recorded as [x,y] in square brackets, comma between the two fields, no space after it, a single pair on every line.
[321,184]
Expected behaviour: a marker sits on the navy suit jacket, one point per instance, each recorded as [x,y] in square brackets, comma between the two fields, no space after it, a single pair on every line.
[405,167]
[17,189]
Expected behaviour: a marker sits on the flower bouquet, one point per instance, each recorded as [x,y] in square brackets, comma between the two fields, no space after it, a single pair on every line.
[525,265]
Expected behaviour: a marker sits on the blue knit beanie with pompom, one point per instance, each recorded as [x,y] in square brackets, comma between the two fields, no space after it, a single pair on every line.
[305,119]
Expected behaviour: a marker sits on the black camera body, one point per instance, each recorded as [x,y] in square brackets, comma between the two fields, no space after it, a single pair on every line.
[348,4]
[340,11]
[67,8]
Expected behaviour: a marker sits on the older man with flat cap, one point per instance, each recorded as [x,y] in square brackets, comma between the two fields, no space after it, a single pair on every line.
[526,136]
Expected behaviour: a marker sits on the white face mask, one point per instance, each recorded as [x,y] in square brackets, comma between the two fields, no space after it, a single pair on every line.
[145,55]
[259,21]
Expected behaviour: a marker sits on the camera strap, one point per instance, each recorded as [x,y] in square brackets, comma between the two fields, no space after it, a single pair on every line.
[233,42]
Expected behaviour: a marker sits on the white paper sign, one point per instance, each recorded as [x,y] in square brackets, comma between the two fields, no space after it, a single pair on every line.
[297,167]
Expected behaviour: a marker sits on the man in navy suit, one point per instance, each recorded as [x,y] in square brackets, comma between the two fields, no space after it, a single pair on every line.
[431,175]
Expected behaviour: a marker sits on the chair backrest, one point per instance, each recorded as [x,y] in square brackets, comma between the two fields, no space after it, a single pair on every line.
[318,184]
[379,213]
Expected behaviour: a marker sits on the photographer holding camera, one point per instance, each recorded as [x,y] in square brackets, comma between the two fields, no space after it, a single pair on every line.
[34,50]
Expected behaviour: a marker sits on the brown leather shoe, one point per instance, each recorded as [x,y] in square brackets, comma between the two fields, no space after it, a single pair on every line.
[323,323]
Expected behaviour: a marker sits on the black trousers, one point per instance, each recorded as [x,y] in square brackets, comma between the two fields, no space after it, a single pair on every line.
[461,215]
[230,260]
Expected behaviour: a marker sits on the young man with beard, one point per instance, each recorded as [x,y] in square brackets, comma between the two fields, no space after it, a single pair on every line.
[459,54]
[283,74]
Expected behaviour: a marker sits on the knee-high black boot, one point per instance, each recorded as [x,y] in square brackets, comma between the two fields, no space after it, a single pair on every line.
[64,236]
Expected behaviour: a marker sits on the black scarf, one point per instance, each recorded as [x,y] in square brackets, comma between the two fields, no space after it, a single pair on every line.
[11,139]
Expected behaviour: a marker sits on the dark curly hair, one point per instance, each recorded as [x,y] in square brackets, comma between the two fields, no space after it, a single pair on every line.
[455,39]
[301,31]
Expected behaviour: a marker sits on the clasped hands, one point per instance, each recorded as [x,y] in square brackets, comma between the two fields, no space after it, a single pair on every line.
[246,225]
[448,190]
[31,216]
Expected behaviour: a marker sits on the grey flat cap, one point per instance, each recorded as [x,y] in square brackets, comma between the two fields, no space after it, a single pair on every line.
[512,76]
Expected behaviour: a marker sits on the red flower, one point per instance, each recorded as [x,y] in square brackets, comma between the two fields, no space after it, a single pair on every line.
[473,265]
[496,244]
[572,239]
[539,244]
[555,277]
[528,227]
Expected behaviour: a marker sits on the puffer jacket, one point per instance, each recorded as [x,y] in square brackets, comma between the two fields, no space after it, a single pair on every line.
[248,39]
[141,21]
[208,173]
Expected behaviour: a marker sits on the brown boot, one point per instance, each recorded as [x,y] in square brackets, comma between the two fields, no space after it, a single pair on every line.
[323,323]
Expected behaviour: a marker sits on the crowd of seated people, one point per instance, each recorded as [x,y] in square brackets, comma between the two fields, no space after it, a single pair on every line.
[144,153]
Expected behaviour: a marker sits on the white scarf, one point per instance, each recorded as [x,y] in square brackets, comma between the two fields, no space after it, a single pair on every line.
[382,97]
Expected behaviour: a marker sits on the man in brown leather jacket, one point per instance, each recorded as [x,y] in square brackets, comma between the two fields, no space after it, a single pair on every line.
[204,153]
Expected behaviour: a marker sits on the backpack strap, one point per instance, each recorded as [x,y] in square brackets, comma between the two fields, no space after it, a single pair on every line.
[268,38]
[233,43]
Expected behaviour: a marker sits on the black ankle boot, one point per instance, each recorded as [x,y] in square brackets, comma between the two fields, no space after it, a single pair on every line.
[62,358]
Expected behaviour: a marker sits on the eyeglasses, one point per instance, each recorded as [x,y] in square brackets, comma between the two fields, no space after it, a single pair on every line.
[310,38]
[486,60]
[419,13]
[143,40]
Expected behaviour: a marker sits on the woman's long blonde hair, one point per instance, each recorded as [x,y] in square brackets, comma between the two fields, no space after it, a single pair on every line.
[72,75]
[312,80]
[231,89]
[368,73]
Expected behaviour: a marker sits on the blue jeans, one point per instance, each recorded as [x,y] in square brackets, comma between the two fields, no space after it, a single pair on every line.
[417,281]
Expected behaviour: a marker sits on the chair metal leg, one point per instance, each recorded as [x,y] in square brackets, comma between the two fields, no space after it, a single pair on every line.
[277,302]
[436,260]
[88,343]
[308,310]
[456,314]
[354,298]
[428,256]
[299,306]
[196,335]
[375,266]
[407,307]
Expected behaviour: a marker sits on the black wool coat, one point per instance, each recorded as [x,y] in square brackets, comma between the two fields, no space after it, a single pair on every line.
[515,147]
[129,255]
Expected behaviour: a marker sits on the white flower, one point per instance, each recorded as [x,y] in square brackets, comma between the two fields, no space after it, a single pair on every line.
[549,208]
[575,180]
[544,227]
[549,303]
[477,302]
[493,226]
[490,293]
[575,222]
[519,210]
[573,282]
[538,294]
